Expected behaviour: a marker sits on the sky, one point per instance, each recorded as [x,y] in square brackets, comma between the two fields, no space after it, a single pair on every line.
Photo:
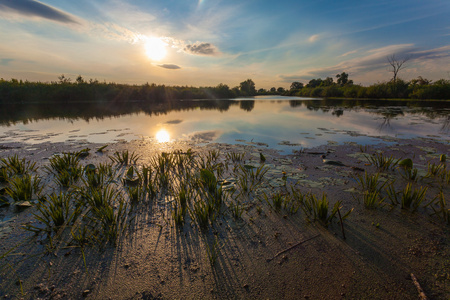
[207,42]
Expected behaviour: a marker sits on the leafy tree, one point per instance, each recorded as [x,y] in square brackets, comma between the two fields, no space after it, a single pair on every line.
[327,82]
[280,90]
[314,83]
[273,89]
[247,88]
[342,79]
[296,86]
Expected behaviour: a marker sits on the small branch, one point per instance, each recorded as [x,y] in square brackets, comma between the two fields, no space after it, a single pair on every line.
[292,247]
[422,295]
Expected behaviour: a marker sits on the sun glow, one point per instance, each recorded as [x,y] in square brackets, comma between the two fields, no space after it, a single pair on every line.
[155,48]
[162,136]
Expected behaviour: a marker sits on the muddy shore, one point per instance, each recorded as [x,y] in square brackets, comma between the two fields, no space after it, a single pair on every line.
[265,253]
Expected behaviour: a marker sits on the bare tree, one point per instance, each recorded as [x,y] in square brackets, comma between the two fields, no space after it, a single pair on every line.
[397,65]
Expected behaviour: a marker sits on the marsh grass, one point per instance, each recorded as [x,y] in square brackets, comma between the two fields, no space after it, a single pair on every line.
[124,158]
[434,170]
[66,168]
[112,221]
[213,250]
[236,208]
[442,211]
[15,166]
[135,194]
[382,162]
[319,208]
[23,188]
[235,157]
[55,212]
[3,174]
[392,194]
[413,197]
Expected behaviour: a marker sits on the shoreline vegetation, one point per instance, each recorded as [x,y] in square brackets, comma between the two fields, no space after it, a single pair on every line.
[65,90]
[128,220]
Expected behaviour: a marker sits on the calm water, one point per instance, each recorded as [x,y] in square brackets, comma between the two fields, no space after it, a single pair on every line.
[283,123]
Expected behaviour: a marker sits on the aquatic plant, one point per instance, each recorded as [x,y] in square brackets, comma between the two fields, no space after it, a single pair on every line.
[442,211]
[111,220]
[434,170]
[370,182]
[135,194]
[381,161]
[15,166]
[124,158]
[213,251]
[392,194]
[235,157]
[55,212]
[236,209]
[22,188]
[3,174]
[414,197]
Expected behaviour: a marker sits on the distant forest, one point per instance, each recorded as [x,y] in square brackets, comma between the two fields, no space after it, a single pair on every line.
[66,90]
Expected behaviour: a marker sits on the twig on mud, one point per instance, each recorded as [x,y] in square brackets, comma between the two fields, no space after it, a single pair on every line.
[422,295]
[286,250]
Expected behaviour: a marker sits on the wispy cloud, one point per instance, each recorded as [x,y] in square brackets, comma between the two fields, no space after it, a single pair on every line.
[313,38]
[201,49]
[371,60]
[169,66]
[31,8]
[349,52]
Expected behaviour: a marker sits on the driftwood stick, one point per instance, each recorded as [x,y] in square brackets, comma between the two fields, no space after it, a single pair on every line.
[292,247]
[422,295]
[342,223]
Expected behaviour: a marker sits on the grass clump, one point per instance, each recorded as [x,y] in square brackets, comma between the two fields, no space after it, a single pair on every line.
[413,197]
[55,212]
[23,188]
[382,162]
[124,158]
[13,165]
[371,186]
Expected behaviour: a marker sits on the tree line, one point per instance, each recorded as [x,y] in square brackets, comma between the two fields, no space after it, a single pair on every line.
[66,90]
[418,88]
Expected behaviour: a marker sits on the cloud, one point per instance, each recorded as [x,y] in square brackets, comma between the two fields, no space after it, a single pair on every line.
[201,49]
[313,38]
[350,52]
[371,60]
[31,8]
[169,66]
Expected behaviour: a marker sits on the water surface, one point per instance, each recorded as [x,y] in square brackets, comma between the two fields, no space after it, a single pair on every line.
[283,123]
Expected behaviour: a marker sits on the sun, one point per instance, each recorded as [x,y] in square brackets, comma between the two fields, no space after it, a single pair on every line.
[162,136]
[155,48]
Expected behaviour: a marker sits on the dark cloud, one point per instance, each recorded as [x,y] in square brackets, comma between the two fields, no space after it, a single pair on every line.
[5,61]
[36,9]
[169,66]
[201,49]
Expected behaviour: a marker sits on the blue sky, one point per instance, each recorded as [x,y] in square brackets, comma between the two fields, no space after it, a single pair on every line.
[207,42]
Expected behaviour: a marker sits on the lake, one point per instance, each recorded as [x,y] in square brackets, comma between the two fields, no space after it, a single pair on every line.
[283,123]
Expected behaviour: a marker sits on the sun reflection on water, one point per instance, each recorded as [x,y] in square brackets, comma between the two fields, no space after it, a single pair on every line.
[163,136]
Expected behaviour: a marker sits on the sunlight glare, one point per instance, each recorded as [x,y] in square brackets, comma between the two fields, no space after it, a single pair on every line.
[163,136]
[155,48]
